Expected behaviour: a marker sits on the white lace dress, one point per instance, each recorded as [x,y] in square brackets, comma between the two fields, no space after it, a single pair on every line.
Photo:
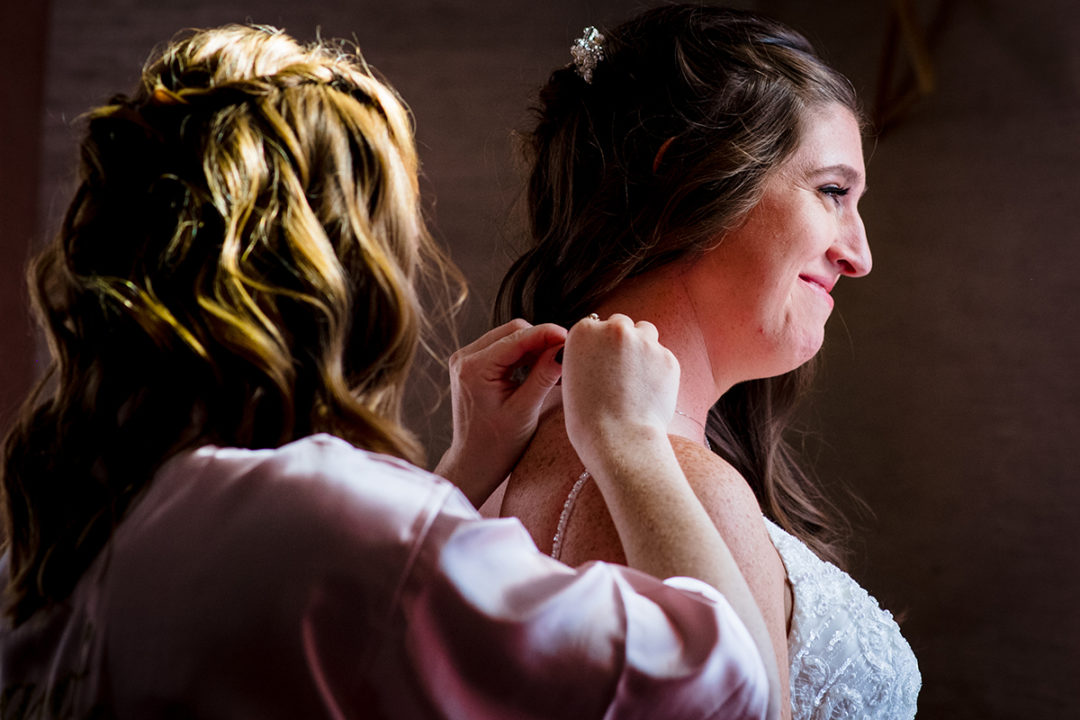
[848,658]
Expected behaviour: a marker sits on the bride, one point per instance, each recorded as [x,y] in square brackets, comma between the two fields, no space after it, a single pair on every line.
[701,169]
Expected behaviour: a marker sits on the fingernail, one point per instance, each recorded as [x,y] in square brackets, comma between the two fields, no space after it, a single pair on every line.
[558,356]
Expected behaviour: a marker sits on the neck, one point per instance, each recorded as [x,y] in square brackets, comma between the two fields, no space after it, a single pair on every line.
[682,423]
[660,297]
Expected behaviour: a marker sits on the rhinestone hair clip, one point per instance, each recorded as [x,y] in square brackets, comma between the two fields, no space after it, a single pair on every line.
[587,51]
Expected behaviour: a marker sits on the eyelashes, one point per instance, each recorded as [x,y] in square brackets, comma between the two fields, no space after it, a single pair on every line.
[836,193]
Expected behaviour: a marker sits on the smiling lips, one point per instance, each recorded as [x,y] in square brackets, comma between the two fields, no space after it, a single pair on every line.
[821,285]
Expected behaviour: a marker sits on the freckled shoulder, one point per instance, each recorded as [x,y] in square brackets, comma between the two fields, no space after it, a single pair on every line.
[734,509]
[542,479]
[715,481]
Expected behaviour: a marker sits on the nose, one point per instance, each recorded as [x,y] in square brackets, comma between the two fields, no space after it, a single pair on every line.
[851,251]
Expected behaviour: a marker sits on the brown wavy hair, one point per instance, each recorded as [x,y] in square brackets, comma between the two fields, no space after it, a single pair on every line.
[663,152]
[238,266]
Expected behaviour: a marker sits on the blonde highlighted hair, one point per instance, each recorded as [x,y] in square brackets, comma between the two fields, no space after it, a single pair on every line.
[238,266]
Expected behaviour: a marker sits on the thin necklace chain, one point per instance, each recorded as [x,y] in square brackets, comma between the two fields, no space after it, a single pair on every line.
[699,424]
[687,415]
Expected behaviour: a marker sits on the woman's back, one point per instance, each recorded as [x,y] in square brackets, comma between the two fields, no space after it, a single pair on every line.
[242,584]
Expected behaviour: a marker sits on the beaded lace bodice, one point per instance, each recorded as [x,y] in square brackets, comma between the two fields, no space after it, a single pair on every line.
[848,658]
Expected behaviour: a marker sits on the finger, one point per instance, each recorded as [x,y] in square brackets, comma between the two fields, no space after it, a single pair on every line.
[648,330]
[620,319]
[496,334]
[590,318]
[528,342]
[543,375]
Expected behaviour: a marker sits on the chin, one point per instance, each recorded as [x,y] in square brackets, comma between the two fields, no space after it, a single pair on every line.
[794,355]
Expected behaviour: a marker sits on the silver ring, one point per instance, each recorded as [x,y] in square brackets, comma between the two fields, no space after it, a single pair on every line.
[592,316]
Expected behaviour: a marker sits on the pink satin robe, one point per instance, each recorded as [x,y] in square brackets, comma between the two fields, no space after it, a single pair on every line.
[317,580]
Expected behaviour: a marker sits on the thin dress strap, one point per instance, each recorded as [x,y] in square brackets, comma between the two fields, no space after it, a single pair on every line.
[567,510]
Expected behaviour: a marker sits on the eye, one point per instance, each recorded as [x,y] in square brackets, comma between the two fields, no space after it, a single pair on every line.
[834,191]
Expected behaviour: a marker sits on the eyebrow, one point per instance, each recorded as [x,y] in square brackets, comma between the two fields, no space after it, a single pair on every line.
[850,174]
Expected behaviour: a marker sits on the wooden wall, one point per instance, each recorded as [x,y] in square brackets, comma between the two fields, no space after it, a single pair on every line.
[23,32]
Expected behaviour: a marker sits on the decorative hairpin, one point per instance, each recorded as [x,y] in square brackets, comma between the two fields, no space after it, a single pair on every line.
[587,51]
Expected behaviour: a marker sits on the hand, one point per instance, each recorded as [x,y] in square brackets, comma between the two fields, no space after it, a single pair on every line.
[495,411]
[619,387]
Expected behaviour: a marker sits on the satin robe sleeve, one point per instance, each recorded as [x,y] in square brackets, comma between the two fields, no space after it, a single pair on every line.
[496,629]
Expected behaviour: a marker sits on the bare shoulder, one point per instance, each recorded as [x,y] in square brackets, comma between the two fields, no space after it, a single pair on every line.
[539,484]
[734,509]
[719,486]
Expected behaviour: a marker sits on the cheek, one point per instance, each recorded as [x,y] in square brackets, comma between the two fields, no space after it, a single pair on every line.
[777,260]
[773,282]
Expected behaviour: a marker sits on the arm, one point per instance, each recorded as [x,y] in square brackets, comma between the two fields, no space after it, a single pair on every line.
[502,630]
[734,510]
[494,413]
[617,412]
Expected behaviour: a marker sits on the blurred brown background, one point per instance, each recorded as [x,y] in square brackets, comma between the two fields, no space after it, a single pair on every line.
[949,400]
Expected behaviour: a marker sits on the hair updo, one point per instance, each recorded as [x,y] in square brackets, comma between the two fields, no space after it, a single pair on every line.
[665,149]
